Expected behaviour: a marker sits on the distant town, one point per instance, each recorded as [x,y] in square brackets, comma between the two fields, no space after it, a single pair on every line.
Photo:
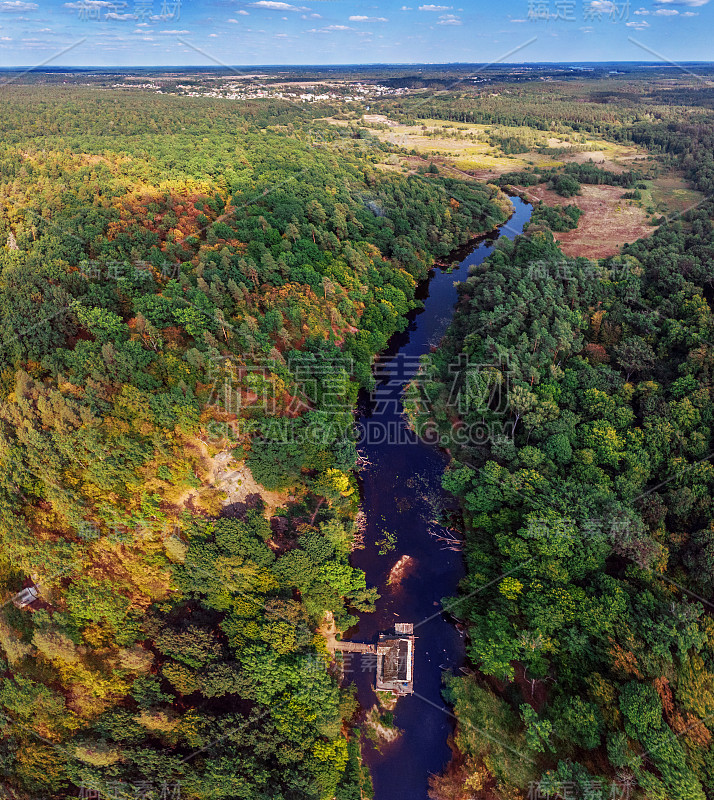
[252,87]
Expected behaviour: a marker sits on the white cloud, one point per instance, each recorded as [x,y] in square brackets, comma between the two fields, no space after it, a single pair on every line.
[331,29]
[638,25]
[114,15]
[171,33]
[449,19]
[274,5]
[642,12]
[16,6]
[519,20]
[434,8]
[86,5]
[666,12]
[360,18]
[690,3]
[603,6]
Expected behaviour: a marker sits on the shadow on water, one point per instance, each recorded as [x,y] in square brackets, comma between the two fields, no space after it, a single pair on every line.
[401,492]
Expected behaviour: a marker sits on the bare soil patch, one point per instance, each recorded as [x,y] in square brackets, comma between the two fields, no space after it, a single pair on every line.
[596,156]
[607,222]
[380,119]
[237,482]
[486,175]
[328,631]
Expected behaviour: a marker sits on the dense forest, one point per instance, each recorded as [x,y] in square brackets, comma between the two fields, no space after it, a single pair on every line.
[588,517]
[177,275]
[189,286]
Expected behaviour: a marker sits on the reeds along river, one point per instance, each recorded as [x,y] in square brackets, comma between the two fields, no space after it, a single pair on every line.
[401,488]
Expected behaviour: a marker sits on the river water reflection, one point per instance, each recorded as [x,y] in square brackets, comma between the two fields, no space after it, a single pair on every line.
[401,488]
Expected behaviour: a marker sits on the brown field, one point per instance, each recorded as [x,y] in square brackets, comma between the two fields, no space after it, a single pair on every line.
[607,222]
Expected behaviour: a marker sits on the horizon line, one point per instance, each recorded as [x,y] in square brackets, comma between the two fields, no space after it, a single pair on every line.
[500,66]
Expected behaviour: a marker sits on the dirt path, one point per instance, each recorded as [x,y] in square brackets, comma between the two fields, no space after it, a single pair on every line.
[328,631]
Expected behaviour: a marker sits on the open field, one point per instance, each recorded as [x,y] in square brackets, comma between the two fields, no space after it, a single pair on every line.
[670,194]
[481,149]
[612,157]
[464,146]
[607,222]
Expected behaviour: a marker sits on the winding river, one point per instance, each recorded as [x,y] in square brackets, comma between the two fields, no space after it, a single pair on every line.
[401,490]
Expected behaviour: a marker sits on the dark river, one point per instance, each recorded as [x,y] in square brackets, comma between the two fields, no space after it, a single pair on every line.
[401,492]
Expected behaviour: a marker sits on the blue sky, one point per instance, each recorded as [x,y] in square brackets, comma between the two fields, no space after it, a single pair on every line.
[241,32]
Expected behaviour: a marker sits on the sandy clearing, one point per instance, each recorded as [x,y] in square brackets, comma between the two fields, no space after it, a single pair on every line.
[380,119]
[237,481]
